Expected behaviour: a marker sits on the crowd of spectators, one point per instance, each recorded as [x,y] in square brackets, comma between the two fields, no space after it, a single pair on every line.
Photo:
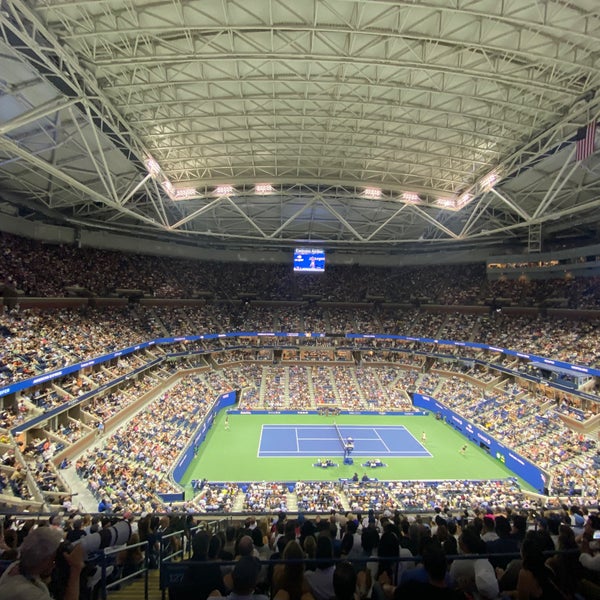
[260,497]
[39,269]
[132,465]
[509,412]
[36,341]
[318,496]
[213,498]
[346,554]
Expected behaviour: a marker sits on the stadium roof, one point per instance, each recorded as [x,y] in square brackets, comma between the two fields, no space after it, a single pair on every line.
[361,125]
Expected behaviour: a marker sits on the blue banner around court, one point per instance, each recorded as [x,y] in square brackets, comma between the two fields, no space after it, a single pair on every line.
[45,377]
[190,451]
[520,466]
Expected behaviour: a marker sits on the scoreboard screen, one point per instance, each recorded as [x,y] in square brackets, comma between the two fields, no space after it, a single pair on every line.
[309,260]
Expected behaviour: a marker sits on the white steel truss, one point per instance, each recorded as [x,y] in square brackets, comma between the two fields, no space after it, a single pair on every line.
[320,99]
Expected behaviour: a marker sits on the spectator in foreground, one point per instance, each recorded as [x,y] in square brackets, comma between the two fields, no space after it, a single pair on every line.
[24,579]
[344,581]
[202,577]
[536,579]
[434,561]
[245,579]
[289,577]
[590,545]
[320,580]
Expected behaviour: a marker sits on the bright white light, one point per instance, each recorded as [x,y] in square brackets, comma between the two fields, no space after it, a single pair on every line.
[372,192]
[489,181]
[183,193]
[411,197]
[168,186]
[446,202]
[224,190]
[263,188]
[153,167]
[454,203]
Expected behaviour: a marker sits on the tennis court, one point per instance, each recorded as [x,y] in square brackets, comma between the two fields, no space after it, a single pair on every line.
[233,454]
[319,440]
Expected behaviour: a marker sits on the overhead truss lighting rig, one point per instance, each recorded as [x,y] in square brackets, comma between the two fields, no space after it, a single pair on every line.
[452,203]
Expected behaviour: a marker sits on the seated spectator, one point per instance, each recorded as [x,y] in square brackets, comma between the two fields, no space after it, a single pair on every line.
[436,587]
[503,545]
[344,581]
[320,581]
[245,579]
[475,576]
[77,531]
[24,579]
[536,580]
[200,579]
[566,566]
[590,545]
[289,576]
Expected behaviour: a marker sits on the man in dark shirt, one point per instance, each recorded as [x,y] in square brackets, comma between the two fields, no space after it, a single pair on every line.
[505,543]
[435,563]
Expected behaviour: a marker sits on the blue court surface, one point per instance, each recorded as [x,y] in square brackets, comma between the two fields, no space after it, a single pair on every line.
[324,440]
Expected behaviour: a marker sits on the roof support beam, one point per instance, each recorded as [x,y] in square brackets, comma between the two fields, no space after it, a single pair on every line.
[552,190]
[197,213]
[16,150]
[511,204]
[341,219]
[388,220]
[292,218]
[37,113]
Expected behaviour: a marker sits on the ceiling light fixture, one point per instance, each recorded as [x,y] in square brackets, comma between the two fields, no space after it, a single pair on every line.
[487,182]
[224,190]
[152,167]
[411,197]
[373,193]
[262,189]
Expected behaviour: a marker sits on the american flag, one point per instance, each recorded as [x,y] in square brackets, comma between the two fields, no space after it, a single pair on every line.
[585,141]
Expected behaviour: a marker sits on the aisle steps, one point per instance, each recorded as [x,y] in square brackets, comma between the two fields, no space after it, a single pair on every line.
[134,590]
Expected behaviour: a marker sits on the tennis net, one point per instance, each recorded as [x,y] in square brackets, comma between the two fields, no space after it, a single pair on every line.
[342,440]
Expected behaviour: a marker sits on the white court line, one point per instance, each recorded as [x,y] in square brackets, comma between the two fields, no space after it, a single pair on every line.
[397,453]
[391,453]
[347,426]
[259,442]
[324,439]
[381,440]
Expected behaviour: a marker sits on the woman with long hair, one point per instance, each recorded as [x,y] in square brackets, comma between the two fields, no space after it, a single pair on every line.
[288,578]
[565,565]
[536,580]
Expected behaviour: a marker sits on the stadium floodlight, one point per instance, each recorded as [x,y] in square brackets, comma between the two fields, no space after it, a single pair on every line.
[262,189]
[446,202]
[224,190]
[411,197]
[487,182]
[184,193]
[153,167]
[454,203]
[373,193]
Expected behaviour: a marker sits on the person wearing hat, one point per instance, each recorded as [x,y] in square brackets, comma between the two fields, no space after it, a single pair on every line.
[24,579]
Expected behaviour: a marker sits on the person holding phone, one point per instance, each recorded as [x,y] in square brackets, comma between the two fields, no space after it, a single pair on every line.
[25,579]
